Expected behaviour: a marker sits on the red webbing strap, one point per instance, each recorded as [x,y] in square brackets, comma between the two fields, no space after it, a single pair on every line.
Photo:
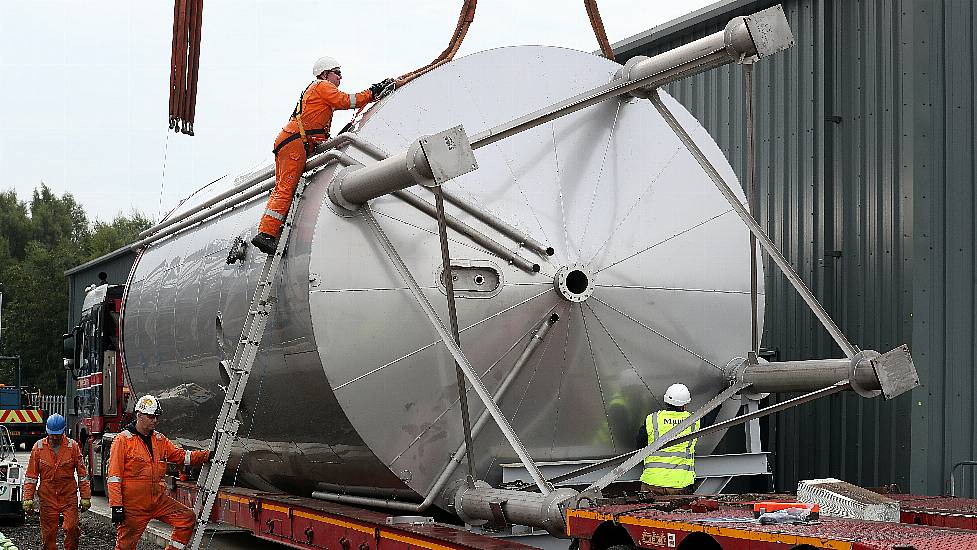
[598,25]
[185,64]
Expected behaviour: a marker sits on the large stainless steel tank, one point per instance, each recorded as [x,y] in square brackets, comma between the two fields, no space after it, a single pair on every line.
[354,391]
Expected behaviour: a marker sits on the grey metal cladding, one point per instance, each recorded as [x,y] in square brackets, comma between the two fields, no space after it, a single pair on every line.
[942,147]
[835,171]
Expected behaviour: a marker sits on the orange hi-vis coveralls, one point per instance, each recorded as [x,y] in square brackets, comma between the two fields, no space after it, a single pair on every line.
[59,490]
[135,482]
[310,123]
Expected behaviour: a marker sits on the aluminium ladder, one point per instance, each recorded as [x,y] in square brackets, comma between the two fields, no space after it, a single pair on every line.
[245,353]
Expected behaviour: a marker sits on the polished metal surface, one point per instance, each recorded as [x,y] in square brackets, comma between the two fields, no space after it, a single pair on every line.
[800,376]
[355,388]
[451,341]
[721,48]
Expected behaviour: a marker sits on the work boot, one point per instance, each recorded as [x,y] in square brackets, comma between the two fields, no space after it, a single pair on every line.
[265,243]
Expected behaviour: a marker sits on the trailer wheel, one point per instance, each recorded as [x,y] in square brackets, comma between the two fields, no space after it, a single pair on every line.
[610,536]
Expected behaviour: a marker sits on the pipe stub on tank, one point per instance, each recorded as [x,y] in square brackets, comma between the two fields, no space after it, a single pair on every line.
[864,361]
[574,282]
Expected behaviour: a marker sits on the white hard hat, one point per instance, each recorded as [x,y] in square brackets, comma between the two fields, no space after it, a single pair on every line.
[324,64]
[678,395]
[147,404]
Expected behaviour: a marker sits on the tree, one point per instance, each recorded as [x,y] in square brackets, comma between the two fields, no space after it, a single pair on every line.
[122,231]
[38,243]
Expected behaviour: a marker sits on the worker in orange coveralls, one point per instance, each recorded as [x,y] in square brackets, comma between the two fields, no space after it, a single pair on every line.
[137,465]
[308,125]
[54,461]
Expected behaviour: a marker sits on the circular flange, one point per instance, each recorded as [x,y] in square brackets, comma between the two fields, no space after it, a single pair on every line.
[574,282]
[863,359]
[625,72]
[334,190]
[733,372]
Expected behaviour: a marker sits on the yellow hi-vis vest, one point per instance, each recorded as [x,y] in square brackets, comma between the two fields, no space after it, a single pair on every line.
[672,466]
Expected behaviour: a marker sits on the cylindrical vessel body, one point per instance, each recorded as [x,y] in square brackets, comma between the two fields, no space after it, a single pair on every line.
[353,390]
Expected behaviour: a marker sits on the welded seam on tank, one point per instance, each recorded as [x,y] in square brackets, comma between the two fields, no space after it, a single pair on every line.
[676,289]
[525,391]
[456,400]
[372,289]
[559,185]
[641,197]
[405,143]
[659,334]
[563,376]
[675,154]
[600,173]
[625,356]
[679,234]
[432,344]
[508,165]
[600,387]
[419,228]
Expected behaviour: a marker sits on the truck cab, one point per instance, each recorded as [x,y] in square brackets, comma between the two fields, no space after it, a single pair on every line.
[96,400]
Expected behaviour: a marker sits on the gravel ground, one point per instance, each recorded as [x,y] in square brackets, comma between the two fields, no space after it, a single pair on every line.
[96,534]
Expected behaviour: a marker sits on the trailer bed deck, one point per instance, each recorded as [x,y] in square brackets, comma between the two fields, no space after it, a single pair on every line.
[960,513]
[733,527]
[299,522]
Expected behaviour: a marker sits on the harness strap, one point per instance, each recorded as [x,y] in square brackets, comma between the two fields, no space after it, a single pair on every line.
[297,112]
[293,137]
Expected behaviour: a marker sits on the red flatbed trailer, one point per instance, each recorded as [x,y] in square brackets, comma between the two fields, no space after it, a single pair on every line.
[959,513]
[927,523]
[299,522]
[731,527]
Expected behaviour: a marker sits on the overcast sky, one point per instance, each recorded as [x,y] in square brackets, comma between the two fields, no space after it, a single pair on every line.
[84,83]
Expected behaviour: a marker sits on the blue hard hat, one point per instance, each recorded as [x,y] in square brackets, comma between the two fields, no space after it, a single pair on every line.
[55,424]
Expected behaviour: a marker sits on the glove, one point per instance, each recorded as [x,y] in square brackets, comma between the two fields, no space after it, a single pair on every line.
[379,88]
[118,515]
[86,504]
[28,506]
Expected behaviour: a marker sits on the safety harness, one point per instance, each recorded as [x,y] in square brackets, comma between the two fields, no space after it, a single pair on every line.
[303,133]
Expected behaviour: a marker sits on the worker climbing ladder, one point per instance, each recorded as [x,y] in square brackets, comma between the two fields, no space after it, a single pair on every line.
[245,353]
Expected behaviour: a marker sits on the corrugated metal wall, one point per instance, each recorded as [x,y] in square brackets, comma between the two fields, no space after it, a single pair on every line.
[834,178]
[944,270]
